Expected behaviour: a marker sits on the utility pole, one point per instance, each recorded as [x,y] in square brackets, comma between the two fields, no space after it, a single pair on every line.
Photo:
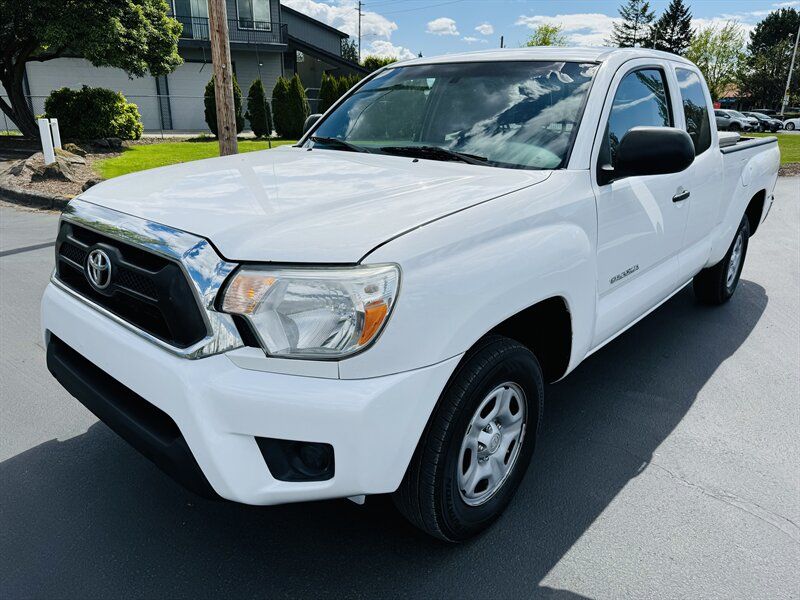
[791,70]
[223,77]
[501,41]
[359,31]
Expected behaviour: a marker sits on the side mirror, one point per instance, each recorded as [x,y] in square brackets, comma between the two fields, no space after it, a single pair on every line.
[650,151]
[310,121]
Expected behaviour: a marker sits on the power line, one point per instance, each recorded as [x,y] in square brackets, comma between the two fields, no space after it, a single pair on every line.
[394,12]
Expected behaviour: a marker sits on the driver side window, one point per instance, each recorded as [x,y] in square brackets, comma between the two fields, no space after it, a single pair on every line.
[641,100]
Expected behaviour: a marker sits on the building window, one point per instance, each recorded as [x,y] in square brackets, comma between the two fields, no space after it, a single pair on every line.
[253,14]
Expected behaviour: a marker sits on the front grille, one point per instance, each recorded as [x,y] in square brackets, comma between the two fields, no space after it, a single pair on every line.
[146,290]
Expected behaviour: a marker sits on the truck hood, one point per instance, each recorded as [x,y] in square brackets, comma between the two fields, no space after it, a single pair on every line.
[296,205]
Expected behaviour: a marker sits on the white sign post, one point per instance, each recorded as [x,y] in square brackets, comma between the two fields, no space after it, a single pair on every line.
[47,141]
[55,133]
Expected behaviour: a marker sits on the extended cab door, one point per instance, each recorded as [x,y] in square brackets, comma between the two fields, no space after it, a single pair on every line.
[703,176]
[641,219]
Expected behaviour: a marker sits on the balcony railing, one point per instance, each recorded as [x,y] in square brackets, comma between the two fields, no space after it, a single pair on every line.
[240,31]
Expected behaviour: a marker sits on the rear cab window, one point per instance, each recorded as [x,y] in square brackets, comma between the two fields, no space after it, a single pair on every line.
[695,109]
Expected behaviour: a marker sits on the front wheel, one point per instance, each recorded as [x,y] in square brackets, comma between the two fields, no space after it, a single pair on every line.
[734,127]
[790,127]
[715,285]
[478,443]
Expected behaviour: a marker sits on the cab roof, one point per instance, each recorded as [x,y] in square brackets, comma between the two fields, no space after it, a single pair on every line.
[547,53]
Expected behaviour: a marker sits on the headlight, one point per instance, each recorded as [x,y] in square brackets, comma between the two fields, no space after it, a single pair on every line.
[314,313]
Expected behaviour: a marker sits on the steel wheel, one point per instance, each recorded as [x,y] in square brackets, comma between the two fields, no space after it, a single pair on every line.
[491,443]
[735,261]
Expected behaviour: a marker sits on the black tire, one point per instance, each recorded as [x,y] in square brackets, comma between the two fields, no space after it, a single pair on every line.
[429,495]
[735,127]
[711,285]
[790,127]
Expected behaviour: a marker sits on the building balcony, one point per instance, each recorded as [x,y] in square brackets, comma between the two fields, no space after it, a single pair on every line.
[240,31]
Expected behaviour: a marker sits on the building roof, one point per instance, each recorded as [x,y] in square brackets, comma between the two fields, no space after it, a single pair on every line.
[574,54]
[300,15]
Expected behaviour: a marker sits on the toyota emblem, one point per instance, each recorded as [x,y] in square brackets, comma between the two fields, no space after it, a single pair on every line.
[98,269]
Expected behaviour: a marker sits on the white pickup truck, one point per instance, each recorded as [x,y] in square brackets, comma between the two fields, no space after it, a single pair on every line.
[377,308]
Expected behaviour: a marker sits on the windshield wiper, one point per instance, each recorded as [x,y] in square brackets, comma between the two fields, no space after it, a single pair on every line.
[330,141]
[435,153]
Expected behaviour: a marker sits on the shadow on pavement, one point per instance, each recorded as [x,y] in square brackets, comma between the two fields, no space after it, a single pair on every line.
[90,517]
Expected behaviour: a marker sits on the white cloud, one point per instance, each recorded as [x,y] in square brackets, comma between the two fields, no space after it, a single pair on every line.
[344,16]
[582,29]
[442,26]
[386,48]
[790,4]
[472,40]
[485,29]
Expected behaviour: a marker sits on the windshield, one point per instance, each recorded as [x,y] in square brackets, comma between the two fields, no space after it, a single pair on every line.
[737,114]
[506,114]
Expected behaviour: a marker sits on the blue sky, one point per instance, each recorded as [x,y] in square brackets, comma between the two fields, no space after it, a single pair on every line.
[405,27]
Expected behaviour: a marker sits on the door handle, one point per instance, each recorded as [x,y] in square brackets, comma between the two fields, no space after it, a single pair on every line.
[681,195]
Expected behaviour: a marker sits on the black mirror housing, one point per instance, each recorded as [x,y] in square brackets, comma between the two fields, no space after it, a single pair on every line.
[651,151]
[310,122]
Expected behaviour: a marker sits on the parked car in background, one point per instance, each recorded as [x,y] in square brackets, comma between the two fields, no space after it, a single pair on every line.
[731,120]
[765,122]
[791,124]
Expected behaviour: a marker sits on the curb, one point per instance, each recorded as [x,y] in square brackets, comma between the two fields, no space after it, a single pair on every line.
[17,195]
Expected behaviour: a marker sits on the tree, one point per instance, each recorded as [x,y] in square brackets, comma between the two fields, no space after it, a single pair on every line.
[634,28]
[210,102]
[373,63]
[349,50]
[137,36]
[290,106]
[764,72]
[717,51]
[547,35]
[327,93]
[673,30]
[342,85]
[258,112]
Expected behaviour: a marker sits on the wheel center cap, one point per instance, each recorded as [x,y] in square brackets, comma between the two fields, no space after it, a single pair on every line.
[494,443]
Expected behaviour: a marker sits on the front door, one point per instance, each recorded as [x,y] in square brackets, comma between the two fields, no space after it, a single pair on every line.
[641,220]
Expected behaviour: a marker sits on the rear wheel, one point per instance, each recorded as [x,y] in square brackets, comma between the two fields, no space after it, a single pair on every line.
[716,285]
[478,443]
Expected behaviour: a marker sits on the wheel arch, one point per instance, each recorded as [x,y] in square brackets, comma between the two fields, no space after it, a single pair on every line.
[754,210]
[545,328]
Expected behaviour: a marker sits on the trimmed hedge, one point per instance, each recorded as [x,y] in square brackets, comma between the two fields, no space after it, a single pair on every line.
[93,113]
[210,101]
[332,88]
[289,107]
[258,112]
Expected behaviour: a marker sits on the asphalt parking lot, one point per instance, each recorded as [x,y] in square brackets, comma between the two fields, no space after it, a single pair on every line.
[668,467]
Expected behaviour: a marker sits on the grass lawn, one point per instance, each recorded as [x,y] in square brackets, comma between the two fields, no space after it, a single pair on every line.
[148,156]
[789,145]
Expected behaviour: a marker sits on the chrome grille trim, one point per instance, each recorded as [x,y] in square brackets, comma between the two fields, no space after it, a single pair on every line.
[201,265]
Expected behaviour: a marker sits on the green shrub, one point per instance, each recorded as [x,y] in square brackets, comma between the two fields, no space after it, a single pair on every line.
[280,107]
[342,85]
[327,93]
[210,101]
[289,107]
[298,106]
[93,113]
[373,63]
[258,112]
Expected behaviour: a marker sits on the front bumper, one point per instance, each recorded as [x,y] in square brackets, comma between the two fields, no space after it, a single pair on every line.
[220,408]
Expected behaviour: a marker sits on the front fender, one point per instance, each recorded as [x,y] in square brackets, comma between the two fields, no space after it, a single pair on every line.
[465,274]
